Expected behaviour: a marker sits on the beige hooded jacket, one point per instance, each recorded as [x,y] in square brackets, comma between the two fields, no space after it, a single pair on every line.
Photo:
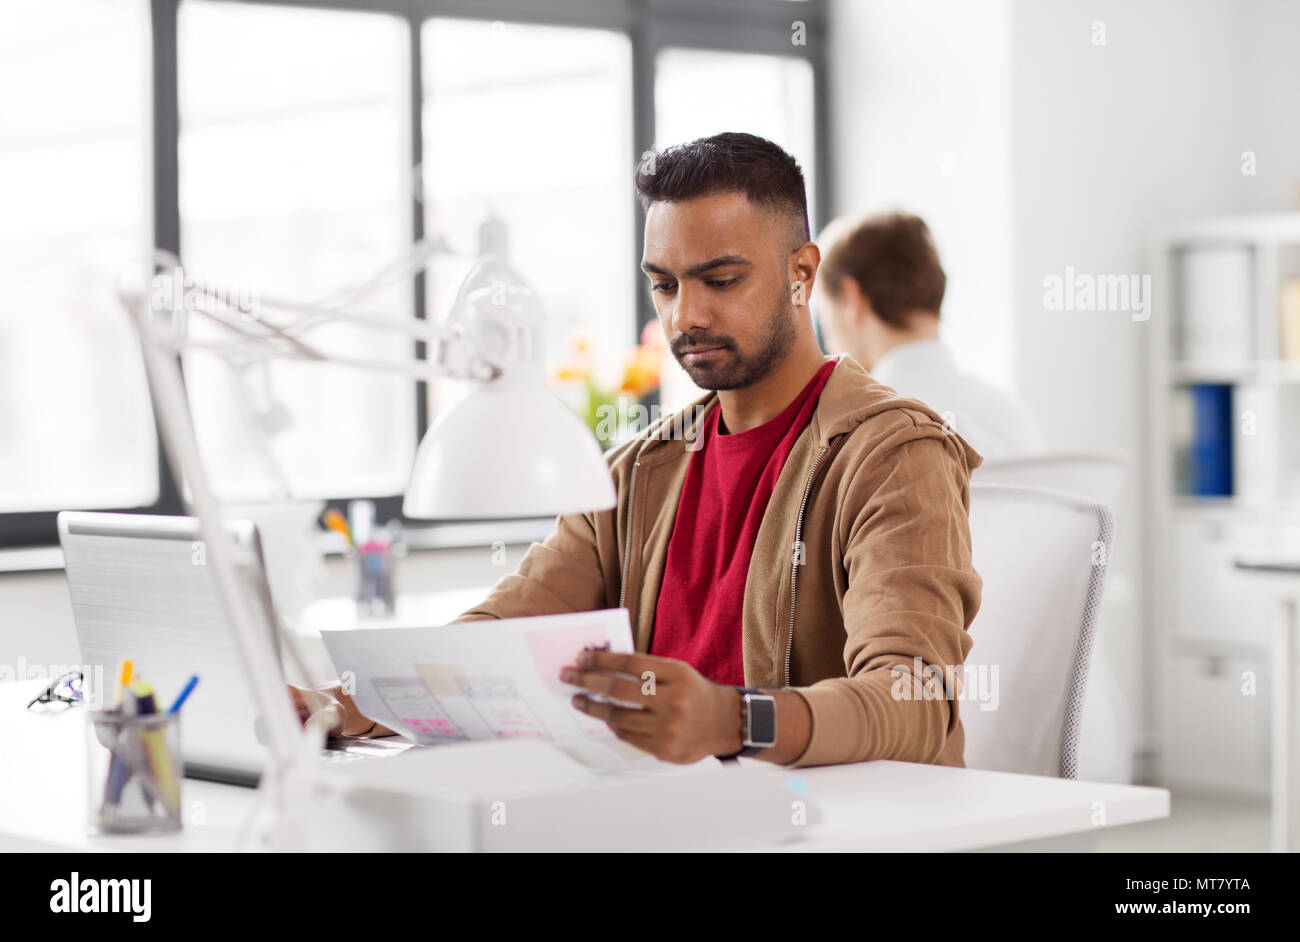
[862,565]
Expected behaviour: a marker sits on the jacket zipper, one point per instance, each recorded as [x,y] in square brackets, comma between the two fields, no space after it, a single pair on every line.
[627,536]
[794,562]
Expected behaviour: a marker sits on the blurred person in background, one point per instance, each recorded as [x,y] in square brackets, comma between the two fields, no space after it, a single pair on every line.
[878,297]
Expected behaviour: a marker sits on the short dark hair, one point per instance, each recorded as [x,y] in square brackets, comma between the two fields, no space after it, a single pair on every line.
[893,259]
[728,162]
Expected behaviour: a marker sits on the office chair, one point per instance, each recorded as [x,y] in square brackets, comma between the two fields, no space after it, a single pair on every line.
[1109,729]
[1042,556]
[1101,477]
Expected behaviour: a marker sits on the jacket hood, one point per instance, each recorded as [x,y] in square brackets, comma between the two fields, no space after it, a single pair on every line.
[850,398]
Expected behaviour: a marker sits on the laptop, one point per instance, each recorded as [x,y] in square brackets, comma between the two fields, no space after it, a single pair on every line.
[140,590]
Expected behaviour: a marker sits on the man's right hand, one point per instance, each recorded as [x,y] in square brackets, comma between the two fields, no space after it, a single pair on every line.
[345,719]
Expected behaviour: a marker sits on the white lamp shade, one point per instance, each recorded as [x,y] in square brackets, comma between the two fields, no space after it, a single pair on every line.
[508,450]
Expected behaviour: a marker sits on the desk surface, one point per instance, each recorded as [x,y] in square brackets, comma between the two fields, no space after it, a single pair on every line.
[870,806]
[43,787]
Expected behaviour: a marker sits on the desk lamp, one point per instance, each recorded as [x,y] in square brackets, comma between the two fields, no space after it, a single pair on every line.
[508,449]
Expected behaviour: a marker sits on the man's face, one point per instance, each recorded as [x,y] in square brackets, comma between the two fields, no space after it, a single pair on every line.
[719,274]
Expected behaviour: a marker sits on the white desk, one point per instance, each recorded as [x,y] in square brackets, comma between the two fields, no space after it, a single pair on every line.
[1281,577]
[43,787]
[871,806]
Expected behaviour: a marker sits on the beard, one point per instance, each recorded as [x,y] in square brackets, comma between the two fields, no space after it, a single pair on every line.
[732,369]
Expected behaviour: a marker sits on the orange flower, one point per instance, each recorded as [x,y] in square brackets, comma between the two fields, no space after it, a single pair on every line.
[641,375]
[570,373]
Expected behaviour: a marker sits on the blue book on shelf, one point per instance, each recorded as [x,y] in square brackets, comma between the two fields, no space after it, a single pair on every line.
[1211,451]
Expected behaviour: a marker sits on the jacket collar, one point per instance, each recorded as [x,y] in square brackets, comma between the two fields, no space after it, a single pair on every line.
[850,397]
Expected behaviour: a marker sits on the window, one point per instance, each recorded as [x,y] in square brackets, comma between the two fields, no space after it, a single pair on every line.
[699,92]
[295,183]
[704,91]
[74,210]
[293,148]
[532,125]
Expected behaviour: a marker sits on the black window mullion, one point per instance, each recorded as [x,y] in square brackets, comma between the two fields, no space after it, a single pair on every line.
[822,159]
[643,139]
[417,215]
[166,179]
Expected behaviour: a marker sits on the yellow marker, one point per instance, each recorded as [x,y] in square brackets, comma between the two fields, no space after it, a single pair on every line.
[155,746]
[124,679]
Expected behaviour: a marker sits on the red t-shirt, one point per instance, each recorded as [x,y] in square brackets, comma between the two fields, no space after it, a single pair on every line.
[728,485]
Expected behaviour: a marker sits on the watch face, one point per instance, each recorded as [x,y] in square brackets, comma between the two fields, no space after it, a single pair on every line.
[761,711]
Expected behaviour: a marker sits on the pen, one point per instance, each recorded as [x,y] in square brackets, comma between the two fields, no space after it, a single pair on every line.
[184,694]
[125,673]
[120,759]
[118,770]
[131,758]
[336,522]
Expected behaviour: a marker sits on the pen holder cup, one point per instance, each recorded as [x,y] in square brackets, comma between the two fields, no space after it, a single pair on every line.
[376,595]
[135,769]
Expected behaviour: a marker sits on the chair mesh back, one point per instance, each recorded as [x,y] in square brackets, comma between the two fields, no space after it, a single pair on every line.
[1043,558]
[1083,653]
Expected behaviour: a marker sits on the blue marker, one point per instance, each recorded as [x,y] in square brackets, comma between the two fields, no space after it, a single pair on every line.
[184,694]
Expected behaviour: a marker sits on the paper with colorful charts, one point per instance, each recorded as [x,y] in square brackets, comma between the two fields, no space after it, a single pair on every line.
[478,680]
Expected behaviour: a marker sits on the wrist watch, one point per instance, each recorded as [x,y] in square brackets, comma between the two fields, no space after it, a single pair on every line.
[757,722]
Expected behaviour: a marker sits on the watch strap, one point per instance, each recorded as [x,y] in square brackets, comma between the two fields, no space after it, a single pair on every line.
[752,701]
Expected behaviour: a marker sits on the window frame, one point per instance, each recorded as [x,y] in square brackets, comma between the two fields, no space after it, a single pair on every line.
[755,26]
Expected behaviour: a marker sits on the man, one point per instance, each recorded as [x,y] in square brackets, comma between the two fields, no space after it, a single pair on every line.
[878,298]
[806,535]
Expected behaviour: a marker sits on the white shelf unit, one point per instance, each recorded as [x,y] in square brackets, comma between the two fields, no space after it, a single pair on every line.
[1208,629]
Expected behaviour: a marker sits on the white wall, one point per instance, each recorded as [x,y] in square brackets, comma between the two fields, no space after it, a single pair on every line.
[1112,140]
[1267,103]
[1067,153]
[921,121]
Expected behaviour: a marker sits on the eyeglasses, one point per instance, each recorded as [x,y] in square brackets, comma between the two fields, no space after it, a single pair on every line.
[62,692]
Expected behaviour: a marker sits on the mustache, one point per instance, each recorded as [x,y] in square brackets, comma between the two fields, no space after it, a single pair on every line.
[686,342]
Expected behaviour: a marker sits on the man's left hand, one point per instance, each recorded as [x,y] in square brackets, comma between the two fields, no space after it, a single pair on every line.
[683,716]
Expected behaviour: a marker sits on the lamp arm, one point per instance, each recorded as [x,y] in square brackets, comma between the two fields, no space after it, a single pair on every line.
[415,369]
[450,354]
[292,764]
[252,627]
[413,263]
[281,488]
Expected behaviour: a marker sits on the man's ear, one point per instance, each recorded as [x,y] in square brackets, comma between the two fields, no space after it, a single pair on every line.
[804,262]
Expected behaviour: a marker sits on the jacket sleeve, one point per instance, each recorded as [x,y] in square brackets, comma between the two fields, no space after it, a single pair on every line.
[911,595]
[561,574]
[564,572]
